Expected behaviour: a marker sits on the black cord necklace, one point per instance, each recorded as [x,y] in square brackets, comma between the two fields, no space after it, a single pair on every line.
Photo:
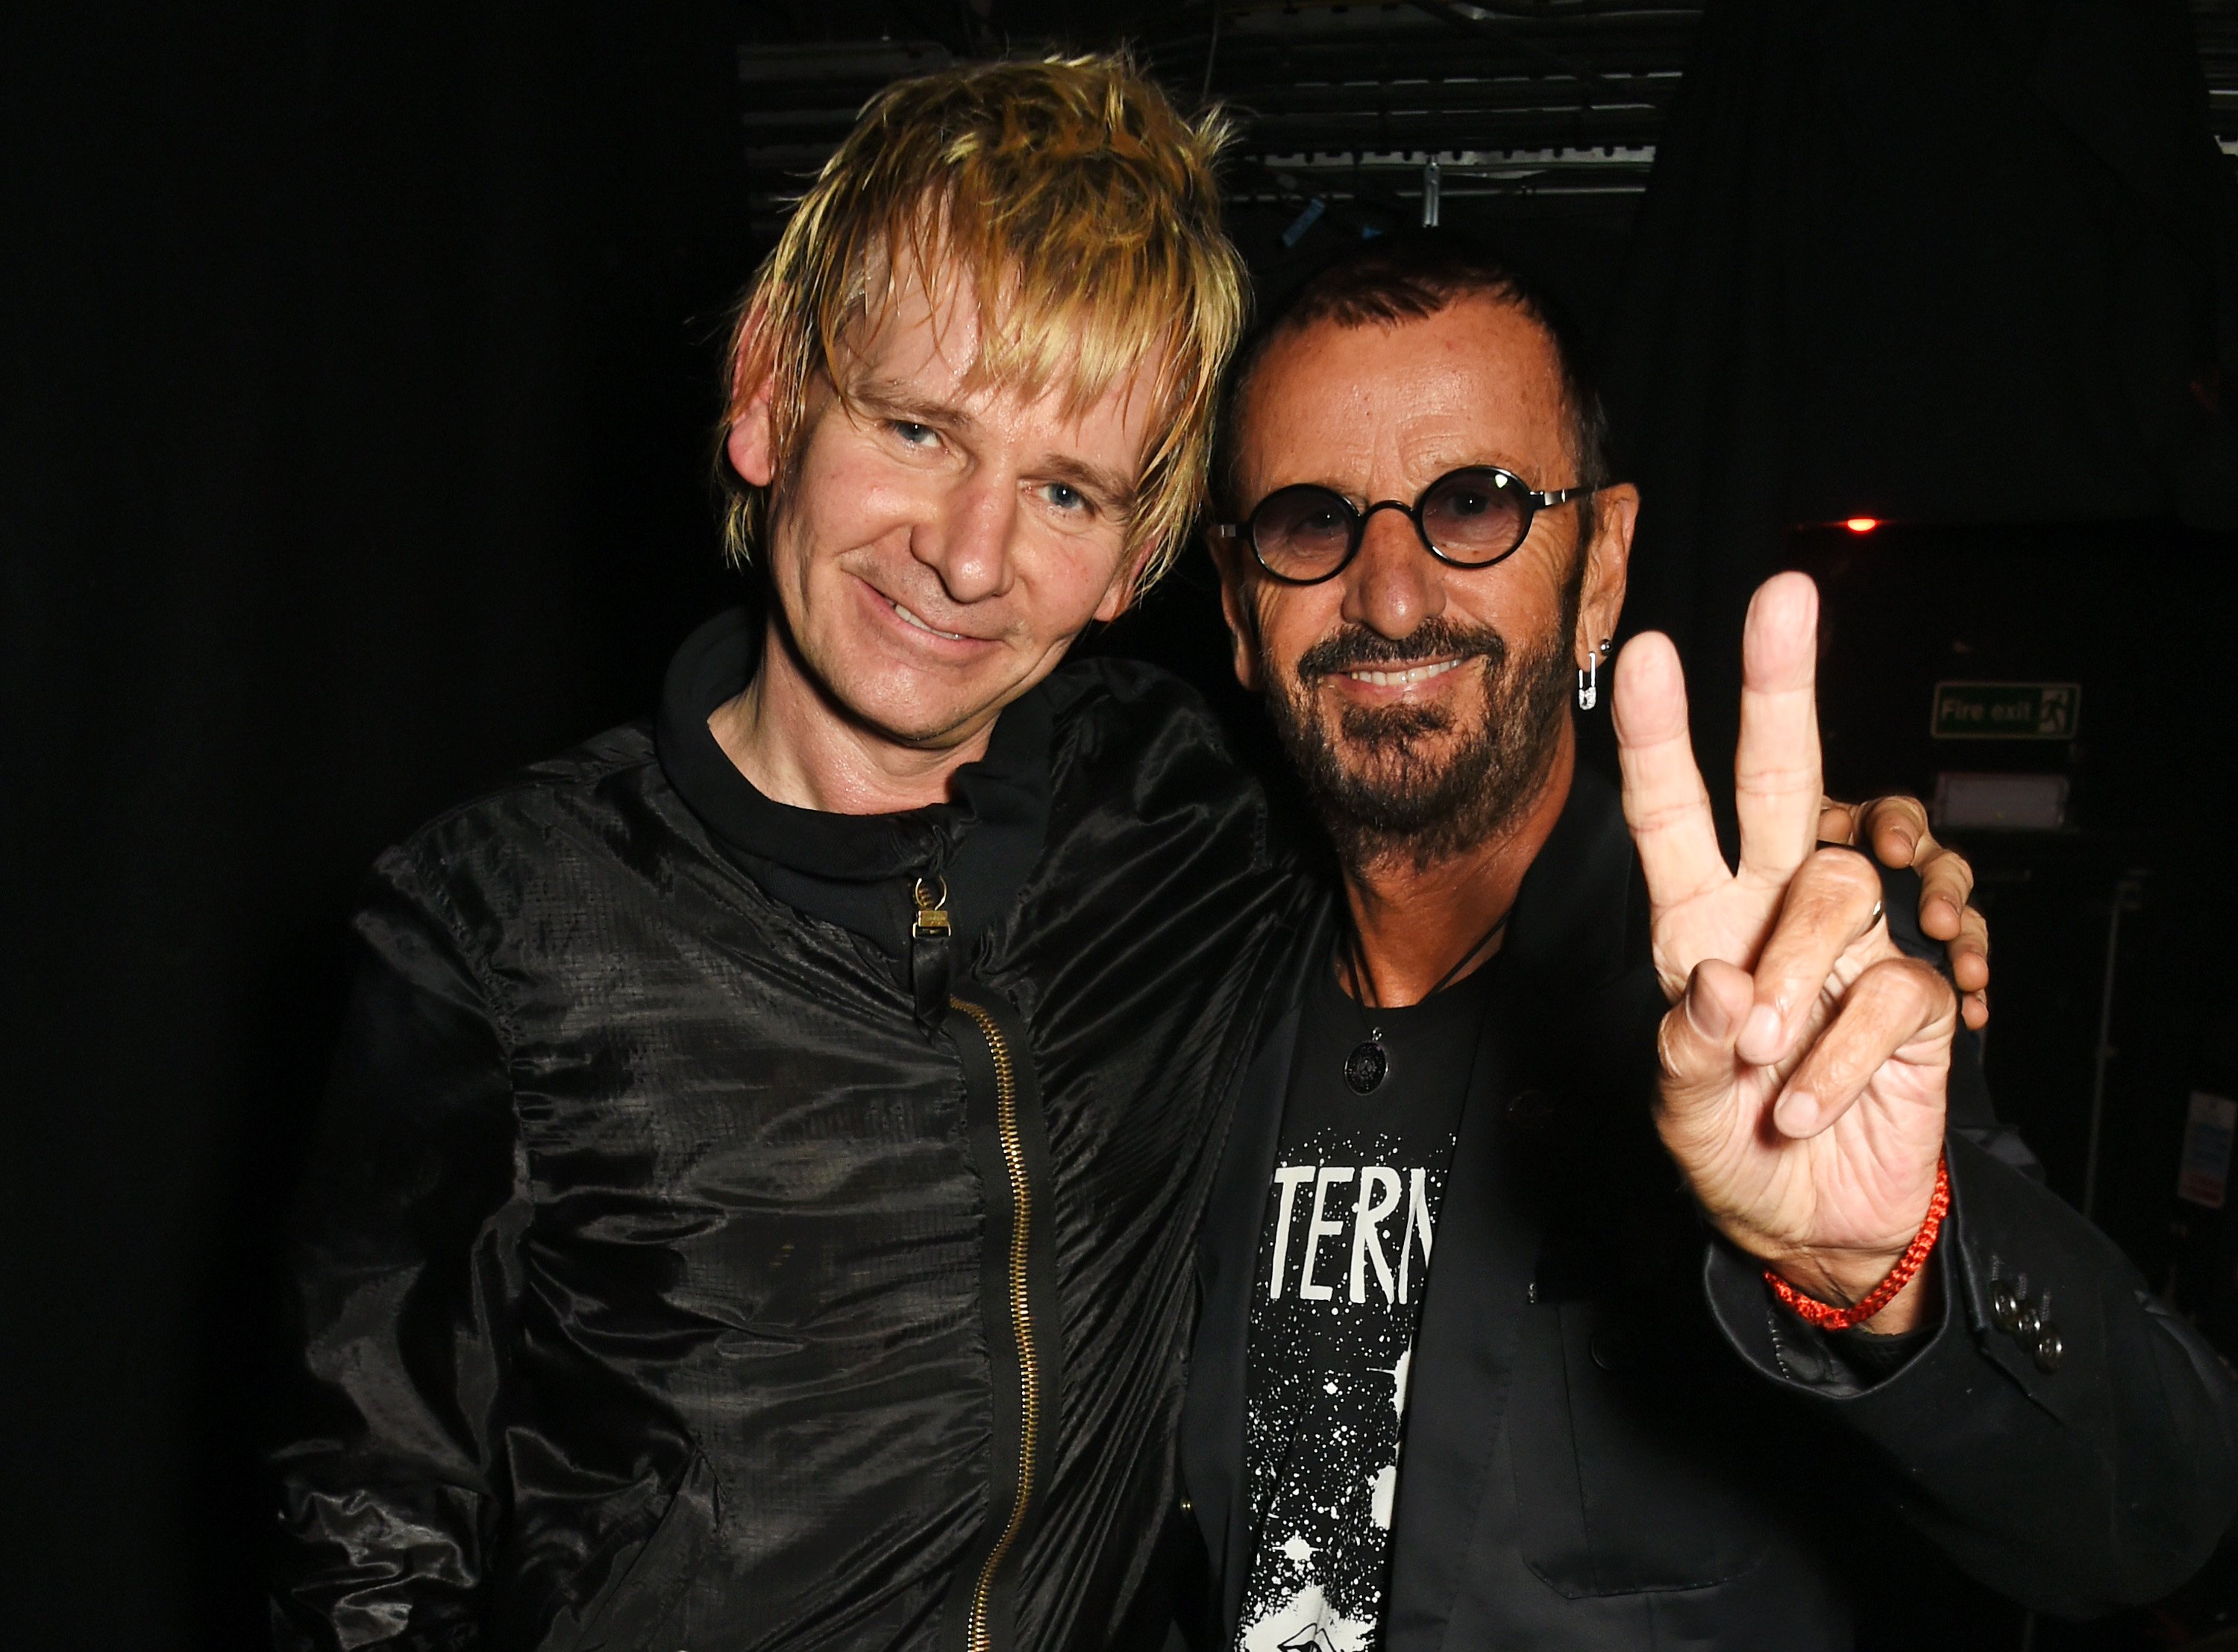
[1367,1064]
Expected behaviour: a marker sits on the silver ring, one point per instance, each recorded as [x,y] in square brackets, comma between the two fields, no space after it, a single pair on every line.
[1874,917]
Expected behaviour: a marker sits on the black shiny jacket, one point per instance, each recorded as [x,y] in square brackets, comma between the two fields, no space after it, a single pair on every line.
[714,1244]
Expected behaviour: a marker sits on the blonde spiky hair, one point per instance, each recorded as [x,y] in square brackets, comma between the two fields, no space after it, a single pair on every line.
[1081,208]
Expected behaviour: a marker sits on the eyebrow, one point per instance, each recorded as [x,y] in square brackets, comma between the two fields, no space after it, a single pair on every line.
[898,401]
[1113,491]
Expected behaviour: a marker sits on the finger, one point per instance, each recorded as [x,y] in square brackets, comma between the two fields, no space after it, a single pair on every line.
[1666,803]
[1898,830]
[1695,1041]
[1838,822]
[1898,1005]
[1775,767]
[1945,881]
[1832,901]
[1946,877]
[1974,1010]
[1970,952]
[1893,827]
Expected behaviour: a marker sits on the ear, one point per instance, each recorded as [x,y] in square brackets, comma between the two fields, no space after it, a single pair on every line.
[750,444]
[1608,559]
[1228,560]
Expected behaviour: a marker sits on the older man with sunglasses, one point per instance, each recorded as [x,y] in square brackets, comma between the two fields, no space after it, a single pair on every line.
[1739,1290]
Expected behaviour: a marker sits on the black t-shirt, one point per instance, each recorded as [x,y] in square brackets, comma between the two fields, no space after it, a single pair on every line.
[1343,1255]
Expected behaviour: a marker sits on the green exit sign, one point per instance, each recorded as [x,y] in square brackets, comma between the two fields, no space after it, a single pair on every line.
[2007,710]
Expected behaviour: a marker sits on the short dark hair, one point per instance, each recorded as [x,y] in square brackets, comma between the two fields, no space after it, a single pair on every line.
[1404,277]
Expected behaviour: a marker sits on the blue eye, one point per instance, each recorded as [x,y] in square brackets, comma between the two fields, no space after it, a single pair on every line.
[1066,498]
[914,434]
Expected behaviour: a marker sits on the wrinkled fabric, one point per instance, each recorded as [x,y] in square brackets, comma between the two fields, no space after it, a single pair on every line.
[641,1278]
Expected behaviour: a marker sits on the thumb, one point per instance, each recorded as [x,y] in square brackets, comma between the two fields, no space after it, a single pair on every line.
[1699,1034]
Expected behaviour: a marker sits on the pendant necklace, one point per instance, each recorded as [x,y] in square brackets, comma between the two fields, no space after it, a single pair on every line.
[1367,1064]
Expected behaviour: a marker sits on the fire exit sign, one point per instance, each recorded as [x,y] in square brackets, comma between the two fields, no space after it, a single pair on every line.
[2007,710]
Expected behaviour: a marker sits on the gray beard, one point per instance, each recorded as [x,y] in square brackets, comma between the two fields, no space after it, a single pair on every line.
[1393,783]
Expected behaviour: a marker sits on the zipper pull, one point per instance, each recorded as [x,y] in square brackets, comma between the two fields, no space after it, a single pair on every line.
[930,966]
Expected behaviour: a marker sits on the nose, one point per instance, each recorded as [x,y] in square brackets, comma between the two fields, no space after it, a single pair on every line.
[1393,585]
[966,539]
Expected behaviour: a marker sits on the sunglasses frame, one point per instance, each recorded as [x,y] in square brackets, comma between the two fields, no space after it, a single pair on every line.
[1533,502]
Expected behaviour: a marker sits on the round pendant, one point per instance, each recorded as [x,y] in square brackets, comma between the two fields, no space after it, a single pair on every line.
[1365,1067]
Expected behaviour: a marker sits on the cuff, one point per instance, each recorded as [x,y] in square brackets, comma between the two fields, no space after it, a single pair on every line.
[1783,1349]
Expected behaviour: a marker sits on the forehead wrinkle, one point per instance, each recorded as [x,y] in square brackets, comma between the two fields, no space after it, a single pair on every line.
[1392,431]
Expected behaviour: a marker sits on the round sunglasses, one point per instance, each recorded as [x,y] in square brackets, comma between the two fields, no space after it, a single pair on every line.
[1470,519]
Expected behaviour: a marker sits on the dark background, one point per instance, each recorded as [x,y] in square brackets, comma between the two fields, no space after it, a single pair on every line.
[360,364]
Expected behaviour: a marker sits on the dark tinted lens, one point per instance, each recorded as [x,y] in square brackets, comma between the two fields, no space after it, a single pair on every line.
[1301,531]
[1474,515]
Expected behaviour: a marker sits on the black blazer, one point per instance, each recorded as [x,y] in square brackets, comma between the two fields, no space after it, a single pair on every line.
[1614,1439]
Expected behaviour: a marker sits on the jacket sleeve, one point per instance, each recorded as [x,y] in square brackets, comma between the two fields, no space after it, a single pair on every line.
[2098,1473]
[401,1282]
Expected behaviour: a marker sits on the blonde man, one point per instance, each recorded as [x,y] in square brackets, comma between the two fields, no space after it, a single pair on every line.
[759,1184]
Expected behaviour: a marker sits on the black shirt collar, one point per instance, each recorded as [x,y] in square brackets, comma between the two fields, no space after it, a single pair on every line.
[858,870]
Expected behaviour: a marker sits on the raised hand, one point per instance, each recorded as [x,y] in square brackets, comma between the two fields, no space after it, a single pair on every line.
[1805,1058]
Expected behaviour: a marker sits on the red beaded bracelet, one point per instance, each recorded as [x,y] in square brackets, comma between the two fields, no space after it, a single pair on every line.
[1827,1317]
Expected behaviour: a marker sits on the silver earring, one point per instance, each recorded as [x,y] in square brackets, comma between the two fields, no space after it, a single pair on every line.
[1589,678]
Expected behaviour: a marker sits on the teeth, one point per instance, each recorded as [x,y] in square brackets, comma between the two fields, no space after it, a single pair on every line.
[1412,675]
[953,636]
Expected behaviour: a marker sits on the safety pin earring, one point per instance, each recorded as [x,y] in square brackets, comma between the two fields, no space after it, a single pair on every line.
[1589,678]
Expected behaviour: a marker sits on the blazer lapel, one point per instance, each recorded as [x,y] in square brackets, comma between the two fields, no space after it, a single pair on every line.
[1480,1281]
[1212,1417]
[1570,947]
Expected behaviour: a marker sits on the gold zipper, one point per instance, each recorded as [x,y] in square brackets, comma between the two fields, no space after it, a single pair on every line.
[931,909]
[977,1636]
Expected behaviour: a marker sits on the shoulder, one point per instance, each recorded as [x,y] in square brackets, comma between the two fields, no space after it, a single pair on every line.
[1134,741]
[551,819]
[534,798]
[1102,686]
[1139,762]
[1106,711]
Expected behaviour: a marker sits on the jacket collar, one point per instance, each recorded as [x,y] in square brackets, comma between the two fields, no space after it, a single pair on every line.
[858,870]
[1579,923]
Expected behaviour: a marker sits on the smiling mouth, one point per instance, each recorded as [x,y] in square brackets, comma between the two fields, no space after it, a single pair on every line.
[950,636]
[1408,678]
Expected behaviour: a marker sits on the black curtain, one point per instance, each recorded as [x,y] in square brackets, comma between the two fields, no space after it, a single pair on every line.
[1926,260]
[360,366]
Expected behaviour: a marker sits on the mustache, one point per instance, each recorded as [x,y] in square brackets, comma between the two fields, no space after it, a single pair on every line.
[1355,647]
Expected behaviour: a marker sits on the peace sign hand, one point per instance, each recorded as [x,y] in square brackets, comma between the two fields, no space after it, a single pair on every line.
[1805,1059]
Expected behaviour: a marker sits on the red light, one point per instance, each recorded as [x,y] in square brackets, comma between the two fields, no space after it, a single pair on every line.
[1862,524]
